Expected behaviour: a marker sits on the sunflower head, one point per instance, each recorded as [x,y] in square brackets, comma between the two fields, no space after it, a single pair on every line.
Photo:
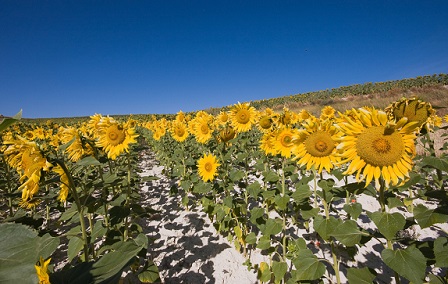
[415,110]
[208,167]
[115,138]
[243,116]
[42,270]
[377,147]
[226,134]
[179,131]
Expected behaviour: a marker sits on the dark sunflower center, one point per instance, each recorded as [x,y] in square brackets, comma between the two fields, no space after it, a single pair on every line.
[286,141]
[180,131]
[204,129]
[379,149]
[319,144]
[115,135]
[381,145]
[265,122]
[243,116]
[208,167]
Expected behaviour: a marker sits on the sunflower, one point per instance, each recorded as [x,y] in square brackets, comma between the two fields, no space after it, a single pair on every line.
[180,116]
[27,159]
[77,148]
[267,143]
[446,118]
[30,204]
[415,110]
[327,112]
[179,130]
[283,141]
[242,117]
[42,271]
[226,134]
[222,118]
[265,123]
[207,167]
[202,129]
[63,193]
[93,124]
[114,138]
[315,145]
[376,146]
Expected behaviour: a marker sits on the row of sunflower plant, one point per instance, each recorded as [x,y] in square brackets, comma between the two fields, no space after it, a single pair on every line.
[70,209]
[288,184]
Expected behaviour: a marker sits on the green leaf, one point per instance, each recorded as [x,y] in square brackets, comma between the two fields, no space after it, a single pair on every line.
[264,242]
[279,269]
[388,223]
[435,162]
[150,273]
[264,273]
[88,161]
[75,245]
[270,176]
[273,226]
[254,189]
[281,202]
[354,209]
[20,249]
[441,251]
[251,238]
[409,263]
[427,217]
[236,175]
[111,264]
[360,275]
[256,213]
[325,227]
[308,266]
[6,122]
[348,233]
[301,194]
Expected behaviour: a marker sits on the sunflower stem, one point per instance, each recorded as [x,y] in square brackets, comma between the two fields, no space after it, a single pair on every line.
[8,182]
[335,262]
[381,195]
[128,197]
[80,209]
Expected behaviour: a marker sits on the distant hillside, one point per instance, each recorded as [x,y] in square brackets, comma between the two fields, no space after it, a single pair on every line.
[431,88]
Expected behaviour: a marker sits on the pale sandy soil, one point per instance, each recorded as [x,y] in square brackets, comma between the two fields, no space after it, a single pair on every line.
[188,249]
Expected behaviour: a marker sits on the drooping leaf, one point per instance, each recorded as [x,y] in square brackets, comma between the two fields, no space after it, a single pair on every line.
[435,162]
[20,249]
[6,122]
[111,264]
[427,217]
[409,263]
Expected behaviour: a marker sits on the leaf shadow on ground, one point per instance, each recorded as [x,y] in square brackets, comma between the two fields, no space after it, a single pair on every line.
[183,243]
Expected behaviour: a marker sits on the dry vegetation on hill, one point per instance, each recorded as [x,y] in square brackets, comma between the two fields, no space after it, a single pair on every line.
[436,95]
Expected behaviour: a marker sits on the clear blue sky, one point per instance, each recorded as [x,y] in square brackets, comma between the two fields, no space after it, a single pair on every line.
[76,58]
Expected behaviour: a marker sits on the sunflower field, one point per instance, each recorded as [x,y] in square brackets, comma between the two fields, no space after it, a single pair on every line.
[290,185]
